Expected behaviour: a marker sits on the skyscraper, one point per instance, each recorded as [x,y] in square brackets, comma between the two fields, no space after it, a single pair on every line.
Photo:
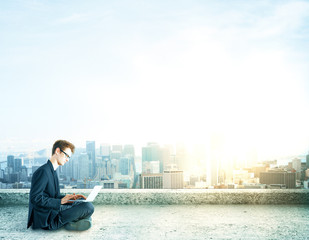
[24,174]
[18,162]
[107,168]
[151,152]
[124,165]
[296,164]
[84,166]
[10,162]
[105,150]
[150,155]
[165,158]
[181,156]
[115,158]
[128,150]
[117,148]
[216,149]
[105,165]
[90,149]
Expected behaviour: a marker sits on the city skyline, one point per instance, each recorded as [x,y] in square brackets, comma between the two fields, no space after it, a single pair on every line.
[198,153]
[118,166]
[133,72]
[196,150]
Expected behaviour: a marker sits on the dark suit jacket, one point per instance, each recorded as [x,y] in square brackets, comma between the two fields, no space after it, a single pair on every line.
[45,198]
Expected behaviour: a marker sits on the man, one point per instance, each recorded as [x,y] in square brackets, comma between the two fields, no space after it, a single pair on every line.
[47,208]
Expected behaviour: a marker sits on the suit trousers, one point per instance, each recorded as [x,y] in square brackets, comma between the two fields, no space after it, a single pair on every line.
[71,213]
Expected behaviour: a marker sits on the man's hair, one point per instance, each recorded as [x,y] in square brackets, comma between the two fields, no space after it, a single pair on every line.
[62,144]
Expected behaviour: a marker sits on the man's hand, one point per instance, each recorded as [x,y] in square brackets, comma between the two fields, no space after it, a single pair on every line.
[80,196]
[69,197]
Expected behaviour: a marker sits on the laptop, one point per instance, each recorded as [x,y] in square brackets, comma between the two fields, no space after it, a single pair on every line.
[91,196]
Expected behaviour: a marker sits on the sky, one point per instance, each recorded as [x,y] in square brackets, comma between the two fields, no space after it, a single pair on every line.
[133,72]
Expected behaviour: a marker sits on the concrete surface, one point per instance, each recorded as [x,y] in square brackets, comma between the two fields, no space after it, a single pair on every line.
[172,222]
[175,196]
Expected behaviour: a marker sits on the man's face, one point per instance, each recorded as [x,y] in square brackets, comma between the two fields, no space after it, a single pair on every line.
[64,156]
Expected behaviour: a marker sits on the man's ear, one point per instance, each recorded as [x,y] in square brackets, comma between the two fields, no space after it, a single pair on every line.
[57,150]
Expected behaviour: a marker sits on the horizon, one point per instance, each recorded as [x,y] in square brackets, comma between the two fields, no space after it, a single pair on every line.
[190,151]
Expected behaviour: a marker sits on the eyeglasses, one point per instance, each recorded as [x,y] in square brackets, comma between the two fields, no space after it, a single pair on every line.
[67,155]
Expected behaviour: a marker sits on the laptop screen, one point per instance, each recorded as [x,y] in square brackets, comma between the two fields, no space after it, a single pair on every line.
[94,193]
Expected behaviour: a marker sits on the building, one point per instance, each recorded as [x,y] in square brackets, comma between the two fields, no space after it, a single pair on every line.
[115,158]
[107,167]
[296,164]
[10,163]
[1,174]
[105,150]
[116,184]
[216,157]
[307,174]
[83,166]
[90,149]
[150,153]
[290,166]
[153,153]
[194,179]
[279,177]
[165,158]
[303,171]
[173,179]
[181,156]
[258,169]
[14,178]
[128,150]
[214,171]
[151,167]
[24,174]
[151,181]
[18,163]
[241,176]
[117,148]
[106,164]
[116,155]
[111,184]
[124,166]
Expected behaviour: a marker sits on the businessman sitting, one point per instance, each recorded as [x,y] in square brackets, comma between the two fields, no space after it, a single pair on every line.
[47,208]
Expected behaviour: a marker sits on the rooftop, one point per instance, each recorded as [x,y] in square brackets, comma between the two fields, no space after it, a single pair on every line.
[171,221]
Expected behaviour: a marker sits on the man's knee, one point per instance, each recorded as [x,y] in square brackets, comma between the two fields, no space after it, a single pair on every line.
[88,207]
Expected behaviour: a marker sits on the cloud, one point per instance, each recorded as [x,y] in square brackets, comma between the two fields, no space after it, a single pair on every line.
[285,20]
[74,18]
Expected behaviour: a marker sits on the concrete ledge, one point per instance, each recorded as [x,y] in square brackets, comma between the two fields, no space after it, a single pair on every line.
[168,196]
